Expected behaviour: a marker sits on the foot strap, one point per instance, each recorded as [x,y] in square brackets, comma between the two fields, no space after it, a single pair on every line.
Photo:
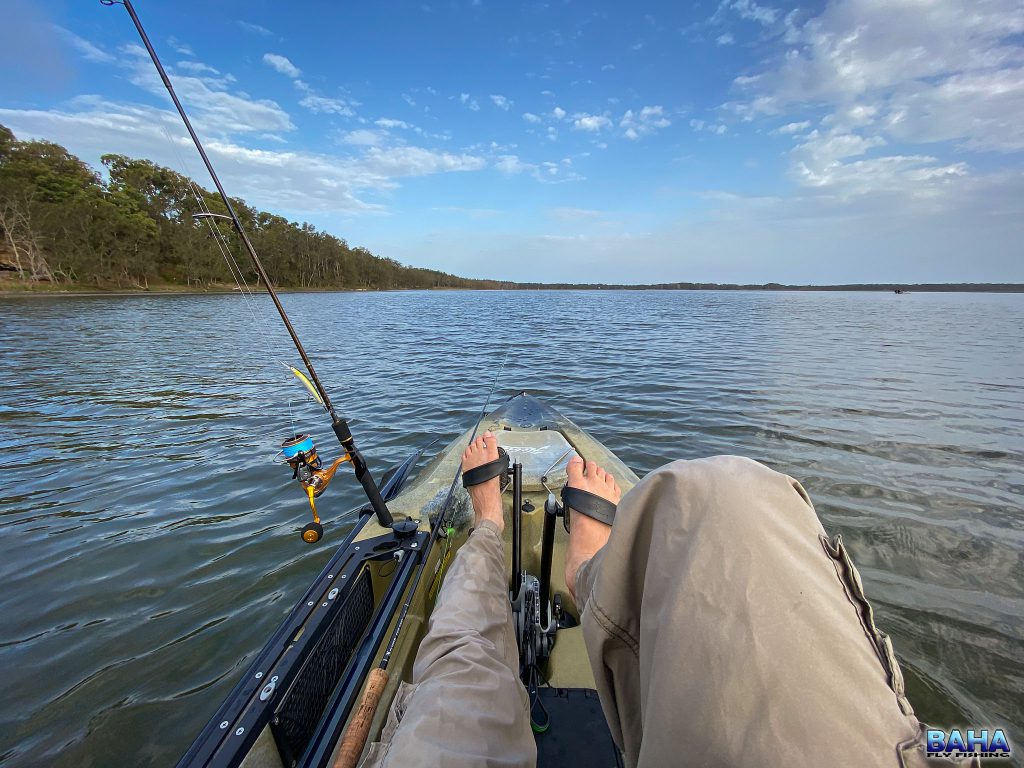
[589,504]
[488,471]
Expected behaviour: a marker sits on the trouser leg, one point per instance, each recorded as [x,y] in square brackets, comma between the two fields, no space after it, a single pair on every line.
[726,629]
[466,706]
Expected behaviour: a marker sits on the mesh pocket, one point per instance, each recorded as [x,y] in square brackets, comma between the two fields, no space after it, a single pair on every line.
[299,713]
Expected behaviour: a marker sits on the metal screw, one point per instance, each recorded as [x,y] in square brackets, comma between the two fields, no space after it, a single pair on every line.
[240,731]
[224,725]
[325,605]
[357,549]
[344,576]
[330,575]
[309,603]
[259,675]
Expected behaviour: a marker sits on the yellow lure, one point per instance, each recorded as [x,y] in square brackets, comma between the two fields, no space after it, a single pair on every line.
[307,383]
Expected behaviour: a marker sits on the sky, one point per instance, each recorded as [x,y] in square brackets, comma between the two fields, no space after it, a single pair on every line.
[730,141]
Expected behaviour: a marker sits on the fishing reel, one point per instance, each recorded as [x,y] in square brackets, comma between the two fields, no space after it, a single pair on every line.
[307,467]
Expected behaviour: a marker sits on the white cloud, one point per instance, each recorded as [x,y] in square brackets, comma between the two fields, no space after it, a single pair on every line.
[607,67]
[983,110]
[511,164]
[749,11]
[546,172]
[888,74]
[591,123]
[85,49]
[501,102]
[530,117]
[572,214]
[558,113]
[646,121]
[325,105]
[363,137]
[417,161]
[469,102]
[791,128]
[387,122]
[197,67]
[254,28]
[180,47]
[302,182]
[209,102]
[862,50]
[725,39]
[703,125]
[281,64]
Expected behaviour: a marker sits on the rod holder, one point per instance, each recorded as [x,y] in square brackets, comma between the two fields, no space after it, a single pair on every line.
[517,529]
[380,509]
[547,550]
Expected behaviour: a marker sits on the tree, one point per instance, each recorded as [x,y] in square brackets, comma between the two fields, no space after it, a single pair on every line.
[60,220]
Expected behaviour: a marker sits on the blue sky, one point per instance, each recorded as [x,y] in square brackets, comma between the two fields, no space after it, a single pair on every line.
[730,141]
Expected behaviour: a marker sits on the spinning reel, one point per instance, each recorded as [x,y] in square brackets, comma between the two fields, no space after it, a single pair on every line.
[307,467]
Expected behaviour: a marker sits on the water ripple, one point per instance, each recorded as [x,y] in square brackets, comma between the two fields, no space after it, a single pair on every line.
[149,543]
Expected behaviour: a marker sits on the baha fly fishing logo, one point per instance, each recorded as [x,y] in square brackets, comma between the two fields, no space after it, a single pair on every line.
[957,743]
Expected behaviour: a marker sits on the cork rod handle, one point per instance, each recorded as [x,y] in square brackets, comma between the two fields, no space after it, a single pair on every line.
[355,737]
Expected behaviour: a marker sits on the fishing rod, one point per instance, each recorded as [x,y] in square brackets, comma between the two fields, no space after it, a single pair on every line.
[298,450]
[359,728]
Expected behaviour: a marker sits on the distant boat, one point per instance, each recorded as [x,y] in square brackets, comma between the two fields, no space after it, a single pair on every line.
[899,290]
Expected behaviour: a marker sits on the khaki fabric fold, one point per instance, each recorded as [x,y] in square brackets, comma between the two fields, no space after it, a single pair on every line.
[726,629]
[465,706]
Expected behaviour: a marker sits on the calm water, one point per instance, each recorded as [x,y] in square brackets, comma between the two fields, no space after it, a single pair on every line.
[148,544]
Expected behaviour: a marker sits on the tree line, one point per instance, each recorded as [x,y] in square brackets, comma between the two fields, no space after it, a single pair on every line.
[62,222]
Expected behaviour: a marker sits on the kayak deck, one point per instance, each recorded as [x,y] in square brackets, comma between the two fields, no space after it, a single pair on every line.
[320,657]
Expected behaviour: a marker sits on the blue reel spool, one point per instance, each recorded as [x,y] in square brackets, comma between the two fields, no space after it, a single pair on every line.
[293,446]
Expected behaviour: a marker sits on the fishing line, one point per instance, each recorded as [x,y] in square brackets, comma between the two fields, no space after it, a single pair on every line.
[355,736]
[260,322]
[224,247]
[440,523]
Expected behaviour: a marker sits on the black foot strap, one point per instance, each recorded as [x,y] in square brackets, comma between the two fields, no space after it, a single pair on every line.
[589,504]
[488,471]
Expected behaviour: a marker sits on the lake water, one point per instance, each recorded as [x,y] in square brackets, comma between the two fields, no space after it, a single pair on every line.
[148,543]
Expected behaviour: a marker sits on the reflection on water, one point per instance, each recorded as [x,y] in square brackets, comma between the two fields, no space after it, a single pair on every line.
[150,545]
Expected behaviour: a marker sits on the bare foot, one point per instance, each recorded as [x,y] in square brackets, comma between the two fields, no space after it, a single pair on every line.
[485,497]
[587,535]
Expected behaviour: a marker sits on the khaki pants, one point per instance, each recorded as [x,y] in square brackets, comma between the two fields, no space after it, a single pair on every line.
[723,626]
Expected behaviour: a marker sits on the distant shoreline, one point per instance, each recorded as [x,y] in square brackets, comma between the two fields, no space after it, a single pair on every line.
[40,290]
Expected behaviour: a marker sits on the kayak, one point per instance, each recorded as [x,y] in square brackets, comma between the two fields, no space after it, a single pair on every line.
[292,706]
[320,690]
